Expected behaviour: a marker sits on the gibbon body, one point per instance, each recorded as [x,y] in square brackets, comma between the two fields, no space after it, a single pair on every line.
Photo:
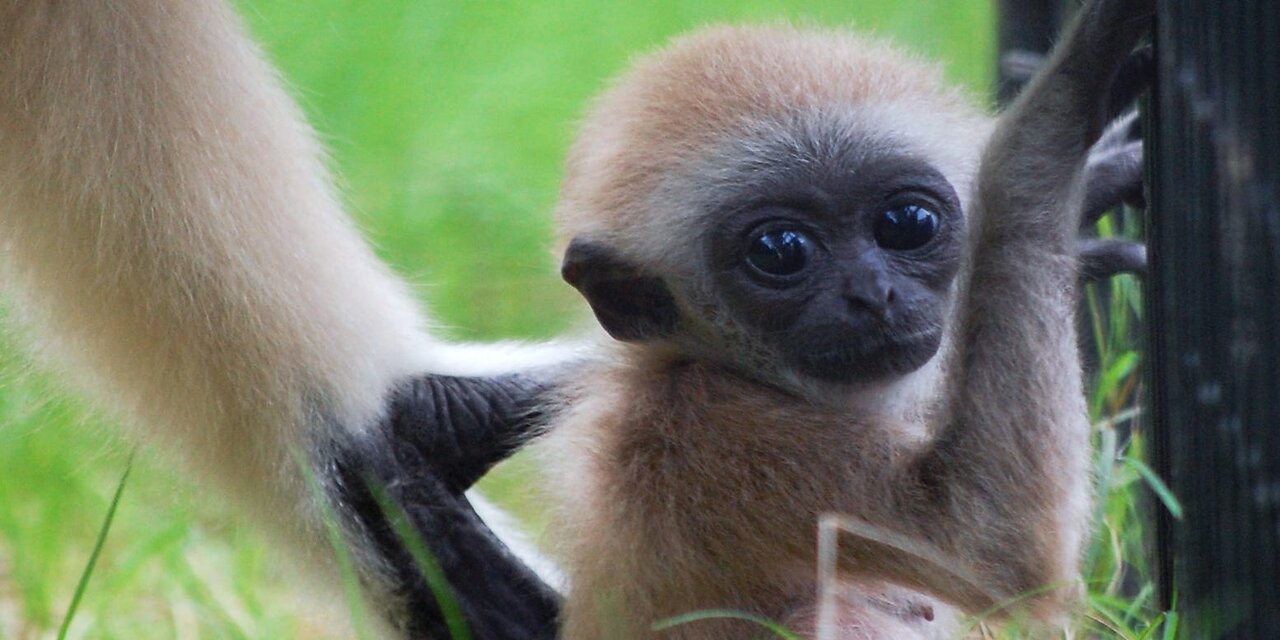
[836,289]
[707,461]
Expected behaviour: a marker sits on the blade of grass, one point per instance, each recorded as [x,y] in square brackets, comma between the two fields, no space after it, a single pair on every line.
[1137,602]
[1170,625]
[1098,328]
[723,614]
[426,562]
[1152,628]
[1114,371]
[1105,459]
[97,551]
[346,565]
[1157,485]
[1102,611]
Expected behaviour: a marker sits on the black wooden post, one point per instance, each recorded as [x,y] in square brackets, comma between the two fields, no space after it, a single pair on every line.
[1214,311]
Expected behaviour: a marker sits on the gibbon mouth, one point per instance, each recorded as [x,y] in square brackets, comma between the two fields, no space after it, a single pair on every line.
[869,359]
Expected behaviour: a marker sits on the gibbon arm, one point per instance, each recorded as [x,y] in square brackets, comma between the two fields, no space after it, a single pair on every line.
[177,250]
[1001,501]
[1015,474]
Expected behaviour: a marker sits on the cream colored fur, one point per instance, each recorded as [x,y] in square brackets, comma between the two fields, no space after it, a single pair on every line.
[171,232]
[176,242]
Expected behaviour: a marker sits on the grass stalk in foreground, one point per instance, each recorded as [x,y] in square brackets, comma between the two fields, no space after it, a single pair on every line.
[346,565]
[83,584]
[427,564]
[725,614]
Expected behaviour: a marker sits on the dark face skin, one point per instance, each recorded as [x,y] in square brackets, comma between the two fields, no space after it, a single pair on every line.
[841,265]
[842,269]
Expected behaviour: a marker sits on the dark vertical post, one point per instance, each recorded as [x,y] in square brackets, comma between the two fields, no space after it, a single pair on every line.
[1027,29]
[1214,311]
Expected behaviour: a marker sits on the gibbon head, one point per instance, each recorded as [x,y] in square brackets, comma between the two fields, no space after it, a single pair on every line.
[778,200]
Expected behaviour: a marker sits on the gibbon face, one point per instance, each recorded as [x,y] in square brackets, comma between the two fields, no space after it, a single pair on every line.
[822,248]
[779,212]
[837,254]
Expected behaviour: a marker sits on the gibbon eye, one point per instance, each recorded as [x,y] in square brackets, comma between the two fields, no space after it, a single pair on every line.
[781,252]
[906,227]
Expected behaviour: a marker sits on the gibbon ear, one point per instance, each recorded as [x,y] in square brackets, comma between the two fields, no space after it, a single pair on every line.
[631,305]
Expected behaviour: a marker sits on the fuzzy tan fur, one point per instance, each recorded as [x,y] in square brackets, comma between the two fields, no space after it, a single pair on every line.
[671,108]
[688,486]
[694,489]
[174,234]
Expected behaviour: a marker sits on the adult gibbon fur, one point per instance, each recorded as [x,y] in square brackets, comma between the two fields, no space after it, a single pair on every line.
[175,245]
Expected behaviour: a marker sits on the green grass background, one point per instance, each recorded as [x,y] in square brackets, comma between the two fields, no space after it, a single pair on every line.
[447,122]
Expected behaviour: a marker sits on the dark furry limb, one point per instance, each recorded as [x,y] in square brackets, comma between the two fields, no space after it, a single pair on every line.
[441,434]
[1101,258]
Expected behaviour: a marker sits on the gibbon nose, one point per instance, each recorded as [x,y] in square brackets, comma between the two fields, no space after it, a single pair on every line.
[869,293]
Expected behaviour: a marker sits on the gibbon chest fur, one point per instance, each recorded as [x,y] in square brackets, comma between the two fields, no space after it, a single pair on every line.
[699,490]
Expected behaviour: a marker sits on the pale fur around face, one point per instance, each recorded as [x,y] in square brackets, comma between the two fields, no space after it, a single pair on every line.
[688,485]
[672,108]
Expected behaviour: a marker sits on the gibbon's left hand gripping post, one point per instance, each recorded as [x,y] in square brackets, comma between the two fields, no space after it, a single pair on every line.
[176,246]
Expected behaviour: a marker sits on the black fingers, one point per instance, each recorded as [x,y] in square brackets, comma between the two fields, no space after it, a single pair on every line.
[1121,131]
[1135,75]
[1067,107]
[377,488]
[1113,177]
[463,426]
[440,434]
[1101,258]
[1109,29]
[1097,58]
[1114,173]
